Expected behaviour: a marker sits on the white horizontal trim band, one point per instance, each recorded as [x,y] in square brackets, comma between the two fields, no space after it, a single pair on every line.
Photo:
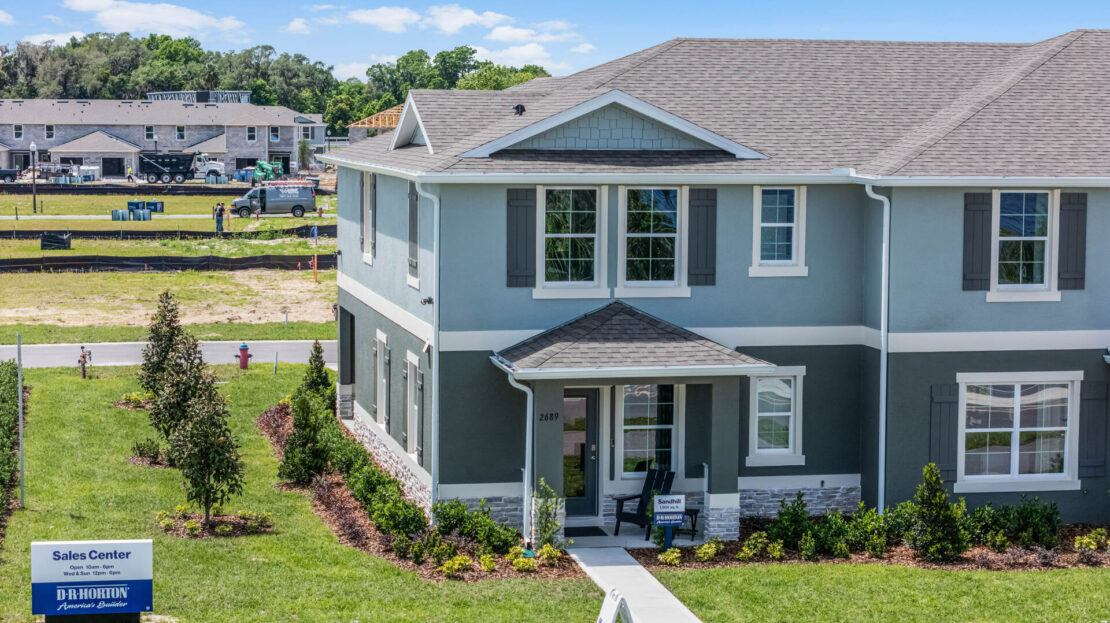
[977,341]
[395,313]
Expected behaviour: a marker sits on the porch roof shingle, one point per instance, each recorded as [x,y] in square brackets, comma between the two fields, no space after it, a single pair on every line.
[621,336]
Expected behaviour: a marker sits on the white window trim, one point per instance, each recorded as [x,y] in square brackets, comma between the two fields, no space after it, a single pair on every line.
[367,219]
[412,407]
[48,131]
[796,267]
[599,287]
[1023,293]
[180,136]
[381,381]
[274,139]
[148,136]
[678,288]
[1068,481]
[770,458]
[17,131]
[678,436]
[247,132]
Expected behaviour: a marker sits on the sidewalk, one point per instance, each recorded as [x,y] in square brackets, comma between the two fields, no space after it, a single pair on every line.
[131,353]
[647,598]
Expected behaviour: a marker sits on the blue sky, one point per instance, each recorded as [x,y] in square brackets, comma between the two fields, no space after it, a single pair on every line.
[564,36]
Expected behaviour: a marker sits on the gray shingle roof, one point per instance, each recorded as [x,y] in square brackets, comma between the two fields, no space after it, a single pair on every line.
[905,108]
[619,335]
[97,142]
[142,112]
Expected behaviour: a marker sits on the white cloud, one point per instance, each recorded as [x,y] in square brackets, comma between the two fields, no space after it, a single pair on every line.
[451,18]
[53,18]
[517,55]
[331,21]
[343,71]
[555,25]
[583,48]
[512,34]
[58,38]
[6,18]
[299,26]
[322,7]
[388,18]
[160,17]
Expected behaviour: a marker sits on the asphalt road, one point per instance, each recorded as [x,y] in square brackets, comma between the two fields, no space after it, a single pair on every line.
[131,353]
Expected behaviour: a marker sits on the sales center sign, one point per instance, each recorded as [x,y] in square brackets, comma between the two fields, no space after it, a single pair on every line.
[91,577]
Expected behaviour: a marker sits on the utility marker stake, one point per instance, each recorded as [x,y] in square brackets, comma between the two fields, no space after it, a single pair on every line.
[19,388]
[275,362]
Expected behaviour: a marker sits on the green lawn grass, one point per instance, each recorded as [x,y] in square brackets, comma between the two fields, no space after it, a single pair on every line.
[55,334]
[160,222]
[224,247]
[871,592]
[104,204]
[80,486]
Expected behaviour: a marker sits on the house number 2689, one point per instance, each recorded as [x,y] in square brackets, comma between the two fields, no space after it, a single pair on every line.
[549,417]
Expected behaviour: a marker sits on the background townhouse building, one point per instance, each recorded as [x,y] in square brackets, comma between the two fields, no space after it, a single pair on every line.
[738,262]
[112,133]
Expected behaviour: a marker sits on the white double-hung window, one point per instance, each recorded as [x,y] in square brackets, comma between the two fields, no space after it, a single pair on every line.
[779,232]
[1018,431]
[775,418]
[652,242]
[1024,246]
[571,228]
[648,429]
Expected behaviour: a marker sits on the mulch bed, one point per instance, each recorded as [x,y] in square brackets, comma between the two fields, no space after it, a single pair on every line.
[350,522]
[130,406]
[238,527]
[142,461]
[1064,556]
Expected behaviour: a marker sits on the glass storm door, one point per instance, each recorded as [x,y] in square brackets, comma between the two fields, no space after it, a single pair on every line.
[580,451]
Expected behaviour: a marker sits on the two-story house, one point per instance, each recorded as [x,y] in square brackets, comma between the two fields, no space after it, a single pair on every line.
[111,134]
[768,266]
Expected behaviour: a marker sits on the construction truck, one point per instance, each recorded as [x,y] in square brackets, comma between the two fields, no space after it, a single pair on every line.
[177,168]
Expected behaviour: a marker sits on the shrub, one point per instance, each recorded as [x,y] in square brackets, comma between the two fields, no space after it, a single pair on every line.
[938,533]
[450,516]
[1036,523]
[347,520]
[840,550]
[256,522]
[997,541]
[346,454]
[181,511]
[148,449]
[217,510]
[710,550]
[365,481]
[984,523]
[495,537]
[322,491]
[807,547]
[136,400]
[487,562]
[876,546]
[671,557]
[549,555]
[547,504]
[167,524]
[393,514]
[1087,546]
[9,426]
[514,553]
[223,530]
[304,456]
[830,531]
[525,565]
[775,550]
[791,523]
[192,528]
[753,548]
[402,546]
[161,516]
[316,379]
[898,521]
[455,566]
[417,552]
[865,526]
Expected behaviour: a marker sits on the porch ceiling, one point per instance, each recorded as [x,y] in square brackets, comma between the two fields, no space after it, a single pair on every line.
[620,341]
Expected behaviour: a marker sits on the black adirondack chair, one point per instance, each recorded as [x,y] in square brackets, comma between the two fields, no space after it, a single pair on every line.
[656,482]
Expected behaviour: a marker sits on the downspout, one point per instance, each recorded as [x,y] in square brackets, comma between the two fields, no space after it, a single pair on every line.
[884,334]
[434,198]
[529,401]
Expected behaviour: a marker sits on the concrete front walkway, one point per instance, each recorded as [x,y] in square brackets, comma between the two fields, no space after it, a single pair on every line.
[647,598]
[131,353]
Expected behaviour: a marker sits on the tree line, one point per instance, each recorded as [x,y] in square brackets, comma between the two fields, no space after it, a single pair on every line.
[120,66]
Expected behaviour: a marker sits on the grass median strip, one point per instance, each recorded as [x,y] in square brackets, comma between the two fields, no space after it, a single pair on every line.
[80,486]
[224,247]
[212,331]
[159,222]
[104,204]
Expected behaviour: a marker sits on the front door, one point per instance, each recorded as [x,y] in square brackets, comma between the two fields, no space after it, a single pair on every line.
[580,451]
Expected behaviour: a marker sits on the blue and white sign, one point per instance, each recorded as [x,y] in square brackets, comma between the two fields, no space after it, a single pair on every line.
[92,577]
[669,510]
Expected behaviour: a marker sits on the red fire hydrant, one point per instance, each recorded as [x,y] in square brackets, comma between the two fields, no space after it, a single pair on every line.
[243,356]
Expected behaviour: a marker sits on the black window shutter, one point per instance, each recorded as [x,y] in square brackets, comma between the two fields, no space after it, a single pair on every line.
[977,241]
[520,247]
[943,428]
[414,227]
[1073,241]
[373,214]
[703,237]
[1092,429]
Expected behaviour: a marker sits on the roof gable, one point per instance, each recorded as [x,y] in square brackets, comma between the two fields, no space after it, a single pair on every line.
[410,129]
[574,127]
[95,142]
[215,145]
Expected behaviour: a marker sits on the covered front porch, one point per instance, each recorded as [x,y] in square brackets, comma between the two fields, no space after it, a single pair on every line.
[617,394]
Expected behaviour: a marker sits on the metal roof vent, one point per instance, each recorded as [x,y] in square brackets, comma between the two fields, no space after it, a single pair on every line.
[518,109]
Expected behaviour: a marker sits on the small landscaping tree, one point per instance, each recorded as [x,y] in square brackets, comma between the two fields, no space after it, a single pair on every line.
[304,455]
[546,505]
[316,379]
[938,532]
[165,329]
[207,453]
[184,378]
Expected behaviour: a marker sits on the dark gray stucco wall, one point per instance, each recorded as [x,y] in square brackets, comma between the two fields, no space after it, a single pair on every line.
[912,375]
[869,424]
[481,421]
[366,323]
